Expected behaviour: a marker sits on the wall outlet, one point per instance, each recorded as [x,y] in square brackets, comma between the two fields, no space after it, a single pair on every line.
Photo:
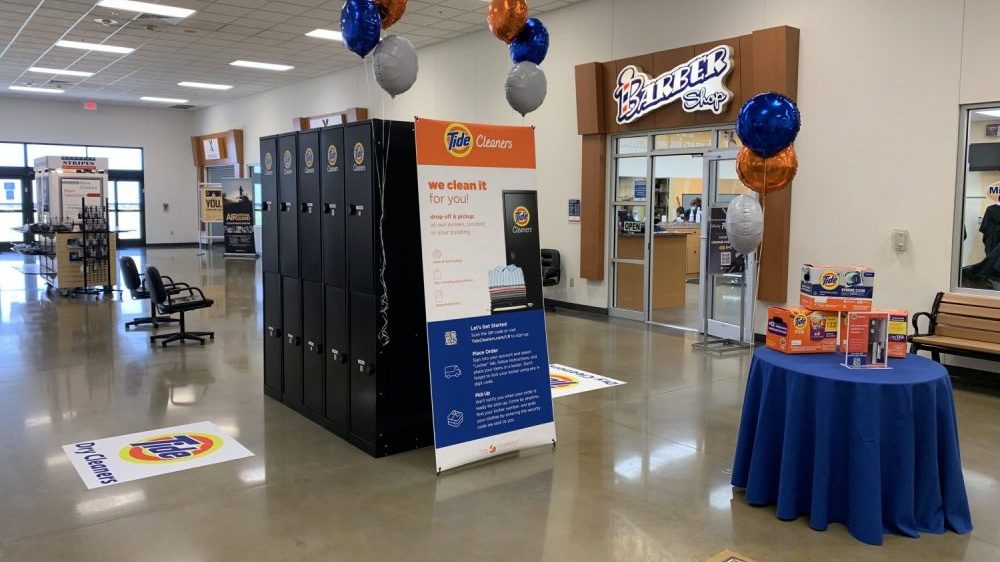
[572,281]
[171,232]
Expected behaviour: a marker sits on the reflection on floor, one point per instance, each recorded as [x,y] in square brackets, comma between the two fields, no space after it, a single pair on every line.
[682,316]
[640,471]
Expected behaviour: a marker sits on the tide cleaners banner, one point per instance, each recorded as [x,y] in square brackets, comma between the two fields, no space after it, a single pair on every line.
[483,290]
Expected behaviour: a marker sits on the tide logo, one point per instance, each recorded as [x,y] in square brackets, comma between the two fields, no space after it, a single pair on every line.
[458,140]
[309,158]
[287,159]
[331,155]
[559,380]
[829,280]
[799,322]
[492,449]
[161,449]
[521,216]
[268,161]
[359,153]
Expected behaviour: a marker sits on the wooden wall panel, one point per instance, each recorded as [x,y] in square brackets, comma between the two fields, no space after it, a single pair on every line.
[589,88]
[607,99]
[671,115]
[593,206]
[746,74]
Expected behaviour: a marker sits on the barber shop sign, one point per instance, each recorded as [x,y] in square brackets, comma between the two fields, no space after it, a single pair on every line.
[699,83]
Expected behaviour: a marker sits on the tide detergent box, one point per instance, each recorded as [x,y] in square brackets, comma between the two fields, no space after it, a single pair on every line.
[837,288]
[797,330]
[899,321]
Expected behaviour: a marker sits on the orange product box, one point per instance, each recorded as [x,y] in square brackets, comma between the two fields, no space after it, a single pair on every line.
[838,288]
[798,330]
[899,321]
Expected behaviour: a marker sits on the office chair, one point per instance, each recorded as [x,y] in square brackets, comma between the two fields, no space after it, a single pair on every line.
[176,300]
[136,287]
[551,267]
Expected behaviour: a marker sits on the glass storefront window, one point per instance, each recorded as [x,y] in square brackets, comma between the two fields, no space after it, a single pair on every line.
[39,150]
[979,193]
[690,139]
[11,154]
[118,158]
[729,139]
[630,179]
[632,145]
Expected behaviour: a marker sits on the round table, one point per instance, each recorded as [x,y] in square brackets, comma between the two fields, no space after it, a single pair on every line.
[874,449]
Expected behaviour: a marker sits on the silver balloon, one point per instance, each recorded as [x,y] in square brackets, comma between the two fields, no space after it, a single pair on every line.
[526,87]
[745,223]
[395,62]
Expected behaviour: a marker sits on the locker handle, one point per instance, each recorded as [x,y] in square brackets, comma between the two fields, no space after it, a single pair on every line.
[273,332]
[338,356]
[293,339]
[266,206]
[357,209]
[307,208]
[364,367]
[286,206]
[314,347]
[330,208]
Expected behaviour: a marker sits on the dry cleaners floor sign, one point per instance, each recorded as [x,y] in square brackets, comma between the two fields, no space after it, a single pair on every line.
[483,290]
[113,460]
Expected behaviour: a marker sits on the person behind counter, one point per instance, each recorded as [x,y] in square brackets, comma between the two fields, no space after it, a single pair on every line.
[681,215]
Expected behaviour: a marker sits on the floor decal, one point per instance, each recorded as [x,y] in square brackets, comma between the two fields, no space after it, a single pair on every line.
[567,380]
[113,460]
[730,556]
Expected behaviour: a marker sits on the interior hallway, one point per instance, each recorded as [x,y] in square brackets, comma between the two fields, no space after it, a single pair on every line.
[640,471]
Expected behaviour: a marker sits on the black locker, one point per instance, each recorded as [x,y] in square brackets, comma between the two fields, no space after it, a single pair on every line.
[310,212]
[272,335]
[360,187]
[337,352]
[313,382]
[520,209]
[362,367]
[269,206]
[288,212]
[331,143]
[291,376]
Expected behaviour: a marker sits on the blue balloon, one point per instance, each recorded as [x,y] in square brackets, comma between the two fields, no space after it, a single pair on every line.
[361,25]
[531,43]
[768,123]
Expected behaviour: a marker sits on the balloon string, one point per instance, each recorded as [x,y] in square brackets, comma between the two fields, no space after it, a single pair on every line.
[759,260]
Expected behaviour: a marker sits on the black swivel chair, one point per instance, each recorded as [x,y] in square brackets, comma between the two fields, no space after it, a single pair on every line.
[551,267]
[176,300]
[136,287]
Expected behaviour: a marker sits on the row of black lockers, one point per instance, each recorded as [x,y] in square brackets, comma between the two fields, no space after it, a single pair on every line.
[326,227]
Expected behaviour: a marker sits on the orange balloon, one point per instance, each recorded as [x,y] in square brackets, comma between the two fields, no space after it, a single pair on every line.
[765,175]
[506,18]
[391,11]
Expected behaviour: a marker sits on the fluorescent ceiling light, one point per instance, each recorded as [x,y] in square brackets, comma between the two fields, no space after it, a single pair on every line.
[989,112]
[326,34]
[94,47]
[261,65]
[204,85]
[163,100]
[146,8]
[41,70]
[36,89]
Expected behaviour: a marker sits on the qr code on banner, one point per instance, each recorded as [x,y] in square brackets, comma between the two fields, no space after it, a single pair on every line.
[726,258]
[450,338]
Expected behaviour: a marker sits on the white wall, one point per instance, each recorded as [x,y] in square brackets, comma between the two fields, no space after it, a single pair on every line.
[879,88]
[164,134]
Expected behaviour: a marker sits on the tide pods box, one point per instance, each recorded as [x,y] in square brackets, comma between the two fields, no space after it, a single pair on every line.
[837,288]
[899,321]
[798,330]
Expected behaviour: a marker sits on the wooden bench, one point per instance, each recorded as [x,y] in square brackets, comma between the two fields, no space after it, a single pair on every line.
[959,324]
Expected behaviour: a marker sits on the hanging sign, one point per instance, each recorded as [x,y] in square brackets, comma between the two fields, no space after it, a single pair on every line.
[238,217]
[483,290]
[699,83]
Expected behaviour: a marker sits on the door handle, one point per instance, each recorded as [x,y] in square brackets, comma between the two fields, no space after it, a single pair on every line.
[338,357]
[307,208]
[286,206]
[365,368]
[357,210]
[330,209]
[266,206]
[273,332]
[293,339]
[314,347]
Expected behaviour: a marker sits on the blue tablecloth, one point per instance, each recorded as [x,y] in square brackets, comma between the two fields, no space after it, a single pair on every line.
[876,450]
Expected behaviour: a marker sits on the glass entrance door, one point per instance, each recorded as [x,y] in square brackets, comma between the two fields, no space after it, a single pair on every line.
[728,281]
[15,208]
[629,237]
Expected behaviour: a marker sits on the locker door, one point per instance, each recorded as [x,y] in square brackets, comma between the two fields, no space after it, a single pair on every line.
[269,192]
[272,332]
[338,368]
[288,220]
[310,237]
[360,231]
[312,338]
[291,293]
[362,365]
[334,211]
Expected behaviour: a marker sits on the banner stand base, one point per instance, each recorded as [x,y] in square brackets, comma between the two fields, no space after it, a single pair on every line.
[489,460]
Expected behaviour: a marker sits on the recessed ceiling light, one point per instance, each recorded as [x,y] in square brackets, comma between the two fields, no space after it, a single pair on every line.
[146,8]
[36,89]
[204,85]
[163,100]
[41,70]
[94,47]
[261,65]
[989,112]
[326,34]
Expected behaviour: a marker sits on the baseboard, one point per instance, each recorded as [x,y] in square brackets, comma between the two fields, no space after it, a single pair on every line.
[168,245]
[575,306]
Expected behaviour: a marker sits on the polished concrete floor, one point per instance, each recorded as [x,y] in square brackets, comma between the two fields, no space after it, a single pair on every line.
[640,471]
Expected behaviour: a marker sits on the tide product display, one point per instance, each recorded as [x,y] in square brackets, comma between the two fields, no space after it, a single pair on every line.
[898,324]
[836,288]
[345,332]
[798,330]
[520,210]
